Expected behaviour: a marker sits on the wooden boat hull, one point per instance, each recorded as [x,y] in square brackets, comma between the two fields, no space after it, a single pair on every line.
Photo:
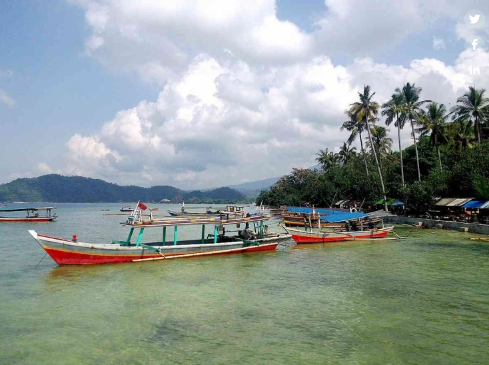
[66,252]
[20,220]
[325,237]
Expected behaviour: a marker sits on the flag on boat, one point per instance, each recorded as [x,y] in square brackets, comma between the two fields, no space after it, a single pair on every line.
[142,206]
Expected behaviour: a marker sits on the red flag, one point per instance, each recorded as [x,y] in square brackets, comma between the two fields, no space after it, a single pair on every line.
[142,206]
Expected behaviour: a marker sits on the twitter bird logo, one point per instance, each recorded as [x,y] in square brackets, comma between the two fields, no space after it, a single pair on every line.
[474,19]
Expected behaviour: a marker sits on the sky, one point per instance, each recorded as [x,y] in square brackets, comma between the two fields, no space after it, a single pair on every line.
[209,93]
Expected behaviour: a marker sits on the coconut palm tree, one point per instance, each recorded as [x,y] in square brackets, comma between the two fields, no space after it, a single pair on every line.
[381,143]
[327,159]
[433,122]
[474,108]
[356,128]
[368,109]
[392,110]
[411,108]
[346,152]
[462,135]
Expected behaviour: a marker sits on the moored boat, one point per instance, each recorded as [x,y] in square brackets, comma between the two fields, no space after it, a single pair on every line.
[126,209]
[302,237]
[32,215]
[71,252]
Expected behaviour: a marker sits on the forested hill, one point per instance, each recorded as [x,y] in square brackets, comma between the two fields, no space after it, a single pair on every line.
[77,189]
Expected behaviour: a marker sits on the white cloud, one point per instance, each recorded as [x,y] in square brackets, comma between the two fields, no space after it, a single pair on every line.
[7,99]
[244,95]
[360,27]
[159,39]
[439,44]
[43,168]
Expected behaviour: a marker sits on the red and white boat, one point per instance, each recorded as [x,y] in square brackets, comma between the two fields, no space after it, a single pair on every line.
[302,237]
[71,252]
[32,215]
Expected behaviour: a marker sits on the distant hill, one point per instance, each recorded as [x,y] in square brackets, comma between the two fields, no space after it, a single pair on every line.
[77,189]
[252,189]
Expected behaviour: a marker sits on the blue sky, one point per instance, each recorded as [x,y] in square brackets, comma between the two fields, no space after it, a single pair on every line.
[136,92]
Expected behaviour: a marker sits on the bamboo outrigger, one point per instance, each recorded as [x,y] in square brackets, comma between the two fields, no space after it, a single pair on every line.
[71,252]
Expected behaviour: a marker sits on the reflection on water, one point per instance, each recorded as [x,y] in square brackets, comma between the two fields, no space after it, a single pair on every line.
[419,300]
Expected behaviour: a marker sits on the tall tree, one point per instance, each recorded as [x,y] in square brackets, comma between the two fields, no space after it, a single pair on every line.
[433,123]
[411,108]
[346,153]
[392,110]
[462,135]
[472,107]
[381,142]
[327,159]
[365,108]
[356,127]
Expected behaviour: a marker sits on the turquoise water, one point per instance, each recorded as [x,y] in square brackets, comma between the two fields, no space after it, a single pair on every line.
[423,300]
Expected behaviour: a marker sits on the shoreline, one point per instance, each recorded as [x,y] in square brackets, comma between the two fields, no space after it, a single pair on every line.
[478,228]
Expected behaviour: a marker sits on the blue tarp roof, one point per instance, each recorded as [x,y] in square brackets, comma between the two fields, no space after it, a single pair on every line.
[474,204]
[342,217]
[330,215]
[325,211]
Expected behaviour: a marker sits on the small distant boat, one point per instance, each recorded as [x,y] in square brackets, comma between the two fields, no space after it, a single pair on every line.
[127,209]
[32,215]
[71,252]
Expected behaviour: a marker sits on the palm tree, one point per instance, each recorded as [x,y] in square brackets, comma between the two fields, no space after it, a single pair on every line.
[411,108]
[327,159]
[433,122]
[393,111]
[367,109]
[474,108]
[346,152]
[463,136]
[356,128]
[381,143]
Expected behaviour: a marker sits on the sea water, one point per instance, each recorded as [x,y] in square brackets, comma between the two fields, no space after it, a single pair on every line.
[422,300]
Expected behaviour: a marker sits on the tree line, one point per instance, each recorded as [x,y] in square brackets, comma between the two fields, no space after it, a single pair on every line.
[449,155]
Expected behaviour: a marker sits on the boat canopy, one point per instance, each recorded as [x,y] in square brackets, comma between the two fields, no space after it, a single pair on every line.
[197,221]
[24,209]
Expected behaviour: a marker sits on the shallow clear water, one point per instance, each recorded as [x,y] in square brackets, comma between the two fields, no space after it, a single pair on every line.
[423,300]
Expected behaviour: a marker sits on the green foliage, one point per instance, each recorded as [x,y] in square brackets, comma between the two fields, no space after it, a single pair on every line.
[466,174]
[450,162]
[77,189]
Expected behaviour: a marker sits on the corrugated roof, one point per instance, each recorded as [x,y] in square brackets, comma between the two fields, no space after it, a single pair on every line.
[444,202]
[474,204]
[459,202]
[485,205]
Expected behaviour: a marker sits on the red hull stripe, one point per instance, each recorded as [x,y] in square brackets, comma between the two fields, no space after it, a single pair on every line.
[65,257]
[310,239]
[24,220]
